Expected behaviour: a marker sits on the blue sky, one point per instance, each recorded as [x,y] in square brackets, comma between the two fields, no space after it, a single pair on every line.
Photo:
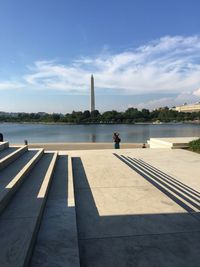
[142,53]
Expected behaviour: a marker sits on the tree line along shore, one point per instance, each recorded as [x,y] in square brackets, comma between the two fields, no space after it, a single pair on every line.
[131,115]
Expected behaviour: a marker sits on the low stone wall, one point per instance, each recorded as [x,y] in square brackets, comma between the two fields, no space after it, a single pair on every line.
[82,146]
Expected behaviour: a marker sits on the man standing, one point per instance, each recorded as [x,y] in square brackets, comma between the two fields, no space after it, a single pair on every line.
[117,140]
[1,137]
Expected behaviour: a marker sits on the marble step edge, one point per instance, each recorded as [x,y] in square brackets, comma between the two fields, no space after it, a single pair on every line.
[71,199]
[43,194]
[12,156]
[15,183]
[71,242]
[71,203]
[4,145]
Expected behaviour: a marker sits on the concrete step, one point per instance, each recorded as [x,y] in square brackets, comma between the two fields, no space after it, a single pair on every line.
[170,142]
[12,156]
[7,151]
[3,145]
[20,221]
[155,143]
[11,177]
[57,243]
[185,201]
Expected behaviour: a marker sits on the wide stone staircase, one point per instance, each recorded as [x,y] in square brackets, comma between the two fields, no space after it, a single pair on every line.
[37,209]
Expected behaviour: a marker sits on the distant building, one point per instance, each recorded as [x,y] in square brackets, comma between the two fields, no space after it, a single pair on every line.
[188,108]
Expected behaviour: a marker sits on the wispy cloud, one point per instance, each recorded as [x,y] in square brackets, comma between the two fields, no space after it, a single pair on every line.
[197,92]
[167,64]
[6,85]
[51,75]
[169,101]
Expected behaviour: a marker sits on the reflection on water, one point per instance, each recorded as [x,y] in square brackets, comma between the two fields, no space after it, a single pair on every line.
[136,133]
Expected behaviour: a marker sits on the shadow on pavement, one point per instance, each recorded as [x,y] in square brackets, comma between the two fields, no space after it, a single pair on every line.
[146,240]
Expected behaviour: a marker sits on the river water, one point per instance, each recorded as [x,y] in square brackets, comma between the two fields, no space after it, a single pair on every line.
[136,133]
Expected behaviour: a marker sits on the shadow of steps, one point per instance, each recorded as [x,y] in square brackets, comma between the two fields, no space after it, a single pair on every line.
[57,243]
[170,178]
[7,159]
[19,223]
[12,176]
[172,189]
[3,145]
[172,185]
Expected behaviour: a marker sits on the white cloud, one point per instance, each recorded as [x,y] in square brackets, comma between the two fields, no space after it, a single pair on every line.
[169,64]
[197,92]
[49,75]
[169,101]
[162,102]
[6,85]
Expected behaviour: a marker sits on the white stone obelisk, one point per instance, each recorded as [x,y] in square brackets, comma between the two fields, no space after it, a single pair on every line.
[92,102]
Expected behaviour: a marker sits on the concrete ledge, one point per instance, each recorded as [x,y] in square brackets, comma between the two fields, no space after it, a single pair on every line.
[57,241]
[12,187]
[22,218]
[71,201]
[13,156]
[3,145]
[172,142]
[81,146]
[43,193]
[71,204]
[46,182]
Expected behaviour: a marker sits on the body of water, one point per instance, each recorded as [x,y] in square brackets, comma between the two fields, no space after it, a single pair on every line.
[136,133]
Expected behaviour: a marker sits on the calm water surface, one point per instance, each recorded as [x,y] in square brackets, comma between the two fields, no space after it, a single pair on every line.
[136,133]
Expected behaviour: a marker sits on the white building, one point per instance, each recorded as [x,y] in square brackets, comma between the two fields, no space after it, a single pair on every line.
[188,108]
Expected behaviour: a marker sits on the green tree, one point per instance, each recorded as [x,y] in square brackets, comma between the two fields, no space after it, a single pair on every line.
[55,117]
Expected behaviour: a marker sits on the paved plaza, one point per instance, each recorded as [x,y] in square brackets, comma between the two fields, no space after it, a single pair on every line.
[103,208]
[137,214]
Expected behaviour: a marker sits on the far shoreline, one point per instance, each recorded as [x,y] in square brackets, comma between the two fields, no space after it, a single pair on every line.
[110,123]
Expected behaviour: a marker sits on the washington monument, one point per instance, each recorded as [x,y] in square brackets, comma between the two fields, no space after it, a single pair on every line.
[92,102]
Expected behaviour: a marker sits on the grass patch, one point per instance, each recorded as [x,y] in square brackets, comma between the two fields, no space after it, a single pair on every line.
[195,145]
